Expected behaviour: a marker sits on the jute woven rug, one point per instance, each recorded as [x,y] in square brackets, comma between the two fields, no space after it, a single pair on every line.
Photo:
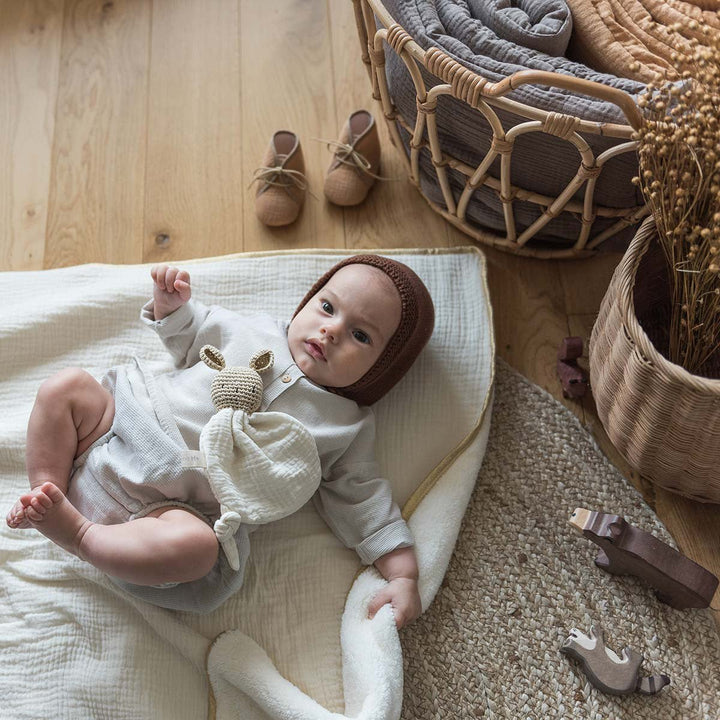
[521,578]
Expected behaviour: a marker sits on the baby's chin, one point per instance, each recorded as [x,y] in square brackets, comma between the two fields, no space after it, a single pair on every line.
[310,370]
[318,373]
[322,378]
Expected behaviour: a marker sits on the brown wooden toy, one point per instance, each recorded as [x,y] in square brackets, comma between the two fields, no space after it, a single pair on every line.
[573,378]
[627,550]
[605,670]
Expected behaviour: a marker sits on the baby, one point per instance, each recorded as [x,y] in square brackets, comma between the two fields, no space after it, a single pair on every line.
[113,467]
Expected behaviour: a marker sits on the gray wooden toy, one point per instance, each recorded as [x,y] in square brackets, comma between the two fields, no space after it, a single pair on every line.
[605,670]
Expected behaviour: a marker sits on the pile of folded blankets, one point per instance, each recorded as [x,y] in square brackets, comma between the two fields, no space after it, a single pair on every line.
[622,44]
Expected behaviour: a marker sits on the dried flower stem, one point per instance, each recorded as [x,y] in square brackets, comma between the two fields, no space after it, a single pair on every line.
[679,156]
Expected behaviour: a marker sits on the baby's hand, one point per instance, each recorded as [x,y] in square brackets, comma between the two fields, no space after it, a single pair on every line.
[402,593]
[172,289]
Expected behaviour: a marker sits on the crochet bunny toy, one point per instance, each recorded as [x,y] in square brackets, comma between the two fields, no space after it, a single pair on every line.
[262,466]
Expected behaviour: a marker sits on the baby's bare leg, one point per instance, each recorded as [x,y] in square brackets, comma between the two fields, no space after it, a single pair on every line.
[169,545]
[71,411]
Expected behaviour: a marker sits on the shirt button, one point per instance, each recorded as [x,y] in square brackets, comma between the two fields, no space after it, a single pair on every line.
[286,378]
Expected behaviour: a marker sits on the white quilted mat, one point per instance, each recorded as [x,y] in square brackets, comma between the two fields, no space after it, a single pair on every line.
[295,641]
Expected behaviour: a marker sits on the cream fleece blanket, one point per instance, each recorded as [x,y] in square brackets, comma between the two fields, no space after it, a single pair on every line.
[293,643]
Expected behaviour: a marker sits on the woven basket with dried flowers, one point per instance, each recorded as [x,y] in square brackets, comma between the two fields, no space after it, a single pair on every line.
[655,347]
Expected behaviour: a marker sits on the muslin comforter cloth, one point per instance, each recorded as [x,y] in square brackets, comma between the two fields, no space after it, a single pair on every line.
[295,642]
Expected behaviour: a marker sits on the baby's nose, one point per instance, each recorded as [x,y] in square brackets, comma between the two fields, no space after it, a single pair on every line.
[329,330]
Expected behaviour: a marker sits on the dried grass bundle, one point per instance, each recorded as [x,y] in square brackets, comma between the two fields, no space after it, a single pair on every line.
[679,160]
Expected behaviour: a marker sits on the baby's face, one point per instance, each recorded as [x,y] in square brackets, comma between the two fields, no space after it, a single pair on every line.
[343,329]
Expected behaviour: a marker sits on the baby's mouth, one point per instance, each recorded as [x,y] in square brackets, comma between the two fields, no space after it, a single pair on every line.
[315,349]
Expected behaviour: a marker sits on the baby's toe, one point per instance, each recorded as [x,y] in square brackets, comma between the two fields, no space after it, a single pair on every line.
[24,501]
[39,505]
[32,514]
[53,493]
[16,515]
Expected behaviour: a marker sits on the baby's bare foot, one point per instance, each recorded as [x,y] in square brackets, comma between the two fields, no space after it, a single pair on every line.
[16,518]
[49,511]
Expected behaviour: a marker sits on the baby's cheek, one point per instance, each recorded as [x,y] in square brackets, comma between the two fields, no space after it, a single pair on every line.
[295,350]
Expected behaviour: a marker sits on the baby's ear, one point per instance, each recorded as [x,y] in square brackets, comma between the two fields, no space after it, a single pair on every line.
[212,357]
[262,360]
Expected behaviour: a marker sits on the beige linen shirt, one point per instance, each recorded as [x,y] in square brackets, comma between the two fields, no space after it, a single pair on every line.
[353,498]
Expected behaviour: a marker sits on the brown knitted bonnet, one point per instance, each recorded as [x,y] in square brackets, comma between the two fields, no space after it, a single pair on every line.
[417,319]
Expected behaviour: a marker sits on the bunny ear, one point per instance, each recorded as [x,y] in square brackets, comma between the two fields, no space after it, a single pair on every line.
[212,357]
[262,360]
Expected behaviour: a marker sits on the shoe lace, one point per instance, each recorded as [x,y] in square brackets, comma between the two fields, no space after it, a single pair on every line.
[348,155]
[280,176]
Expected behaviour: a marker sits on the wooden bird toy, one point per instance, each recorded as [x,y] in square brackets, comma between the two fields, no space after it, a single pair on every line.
[627,550]
[605,670]
[573,378]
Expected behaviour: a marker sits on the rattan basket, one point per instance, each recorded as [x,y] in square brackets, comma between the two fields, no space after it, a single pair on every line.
[663,419]
[435,75]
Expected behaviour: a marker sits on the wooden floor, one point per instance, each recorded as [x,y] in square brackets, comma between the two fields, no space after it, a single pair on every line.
[130,129]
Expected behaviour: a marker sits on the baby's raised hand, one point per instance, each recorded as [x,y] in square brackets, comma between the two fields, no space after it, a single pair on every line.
[171,289]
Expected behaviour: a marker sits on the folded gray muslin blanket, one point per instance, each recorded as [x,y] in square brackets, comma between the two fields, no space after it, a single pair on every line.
[544,25]
[491,38]
[497,38]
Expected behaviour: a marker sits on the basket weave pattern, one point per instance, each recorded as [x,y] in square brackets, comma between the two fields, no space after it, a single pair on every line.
[663,419]
[484,96]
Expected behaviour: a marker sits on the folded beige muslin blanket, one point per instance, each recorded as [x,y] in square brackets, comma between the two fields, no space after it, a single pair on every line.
[634,38]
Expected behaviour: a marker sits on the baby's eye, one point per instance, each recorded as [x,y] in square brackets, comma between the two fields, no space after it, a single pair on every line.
[327,307]
[360,336]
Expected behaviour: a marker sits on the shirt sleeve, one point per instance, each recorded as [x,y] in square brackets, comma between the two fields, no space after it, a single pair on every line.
[356,501]
[178,330]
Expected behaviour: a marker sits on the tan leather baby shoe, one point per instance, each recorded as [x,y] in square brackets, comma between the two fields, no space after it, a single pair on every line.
[356,161]
[281,179]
